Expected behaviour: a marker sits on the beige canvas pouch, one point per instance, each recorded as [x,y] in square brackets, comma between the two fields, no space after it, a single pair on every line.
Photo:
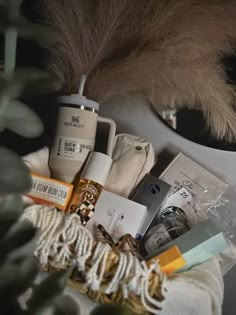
[133,158]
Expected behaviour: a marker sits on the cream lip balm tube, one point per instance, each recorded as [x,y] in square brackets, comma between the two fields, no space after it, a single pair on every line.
[75,134]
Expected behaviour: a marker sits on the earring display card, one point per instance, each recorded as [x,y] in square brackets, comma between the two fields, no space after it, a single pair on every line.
[118,215]
[151,194]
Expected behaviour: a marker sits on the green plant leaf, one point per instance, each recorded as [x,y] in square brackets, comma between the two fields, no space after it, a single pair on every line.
[10,88]
[14,9]
[15,176]
[46,292]
[30,82]
[18,236]
[20,119]
[17,277]
[44,310]
[26,250]
[12,307]
[38,82]
[38,32]
[7,219]
[20,233]
[10,36]
[65,305]
[4,16]
[9,13]
[11,203]
[110,309]
[10,210]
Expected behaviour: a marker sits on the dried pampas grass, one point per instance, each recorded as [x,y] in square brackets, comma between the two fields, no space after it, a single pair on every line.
[86,33]
[170,50]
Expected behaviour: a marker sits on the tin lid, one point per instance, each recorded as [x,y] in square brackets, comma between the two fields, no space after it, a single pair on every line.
[97,167]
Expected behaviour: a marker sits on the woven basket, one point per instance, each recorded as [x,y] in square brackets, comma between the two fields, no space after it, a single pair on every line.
[139,286]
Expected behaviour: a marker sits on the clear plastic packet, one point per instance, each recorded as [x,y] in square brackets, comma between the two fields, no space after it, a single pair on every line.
[203,185]
[223,213]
